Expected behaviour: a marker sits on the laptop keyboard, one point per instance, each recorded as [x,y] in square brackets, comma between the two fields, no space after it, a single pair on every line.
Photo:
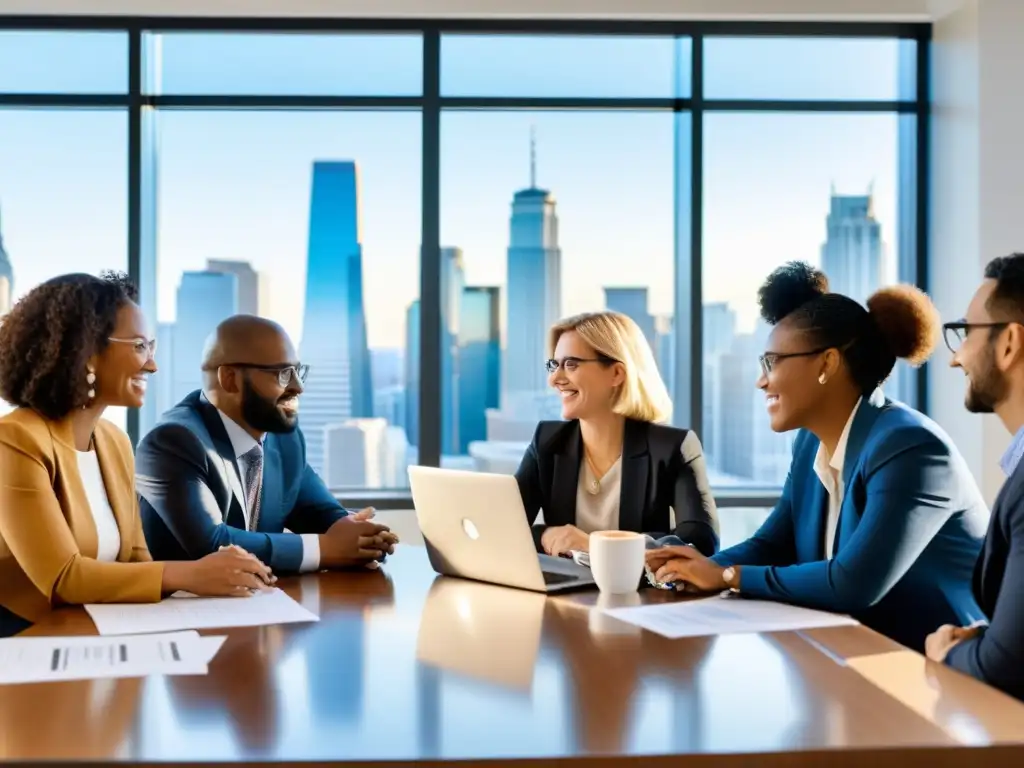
[557,578]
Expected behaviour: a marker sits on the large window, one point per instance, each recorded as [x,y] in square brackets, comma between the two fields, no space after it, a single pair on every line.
[63,198]
[544,215]
[826,178]
[311,219]
[416,204]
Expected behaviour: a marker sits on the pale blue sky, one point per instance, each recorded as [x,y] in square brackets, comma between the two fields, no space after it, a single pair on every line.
[235,184]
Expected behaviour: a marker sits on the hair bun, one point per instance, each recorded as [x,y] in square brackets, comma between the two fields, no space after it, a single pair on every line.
[788,288]
[908,320]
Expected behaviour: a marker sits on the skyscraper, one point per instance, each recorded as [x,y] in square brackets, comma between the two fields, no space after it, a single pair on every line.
[534,291]
[479,361]
[204,300]
[412,373]
[852,253]
[249,283]
[452,282]
[6,278]
[632,302]
[334,322]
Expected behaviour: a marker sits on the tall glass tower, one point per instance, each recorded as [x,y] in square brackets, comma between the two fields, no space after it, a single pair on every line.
[534,291]
[334,320]
[852,253]
[6,279]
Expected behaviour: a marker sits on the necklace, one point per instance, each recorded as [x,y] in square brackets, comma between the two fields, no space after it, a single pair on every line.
[594,486]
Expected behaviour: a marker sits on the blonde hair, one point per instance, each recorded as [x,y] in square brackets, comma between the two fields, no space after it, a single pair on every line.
[643,395]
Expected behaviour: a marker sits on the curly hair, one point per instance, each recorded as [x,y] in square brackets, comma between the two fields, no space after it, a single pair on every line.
[899,322]
[48,337]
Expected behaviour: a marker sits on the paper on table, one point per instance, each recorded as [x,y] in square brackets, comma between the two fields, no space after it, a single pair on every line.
[718,616]
[42,659]
[209,645]
[174,613]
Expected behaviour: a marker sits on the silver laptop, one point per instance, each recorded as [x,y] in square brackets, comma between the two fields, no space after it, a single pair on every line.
[474,526]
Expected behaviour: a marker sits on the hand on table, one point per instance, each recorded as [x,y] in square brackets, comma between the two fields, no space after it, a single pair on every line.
[941,641]
[388,538]
[229,572]
[352,541]
[687,566]
[559,540]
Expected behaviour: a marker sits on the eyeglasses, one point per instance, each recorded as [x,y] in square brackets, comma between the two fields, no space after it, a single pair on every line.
[572,363]
[769,359]
[141,346]
[285,373]
[955,334]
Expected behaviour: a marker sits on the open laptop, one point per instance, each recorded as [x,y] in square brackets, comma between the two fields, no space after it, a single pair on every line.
[474,526]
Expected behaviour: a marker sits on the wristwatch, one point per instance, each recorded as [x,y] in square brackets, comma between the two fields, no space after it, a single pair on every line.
[729,576]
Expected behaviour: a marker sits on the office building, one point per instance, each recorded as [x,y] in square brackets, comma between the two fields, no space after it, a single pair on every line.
[479,361]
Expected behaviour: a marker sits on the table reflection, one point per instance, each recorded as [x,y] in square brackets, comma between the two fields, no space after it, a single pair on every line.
[83,718]
[239,693]
[483,632]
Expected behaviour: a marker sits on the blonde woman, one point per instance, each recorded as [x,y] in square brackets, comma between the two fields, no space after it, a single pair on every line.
[612,464]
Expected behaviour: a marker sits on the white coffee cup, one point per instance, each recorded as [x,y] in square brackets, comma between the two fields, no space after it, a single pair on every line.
[617,560]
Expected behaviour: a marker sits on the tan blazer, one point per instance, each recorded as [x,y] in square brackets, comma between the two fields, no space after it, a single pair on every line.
[48,537]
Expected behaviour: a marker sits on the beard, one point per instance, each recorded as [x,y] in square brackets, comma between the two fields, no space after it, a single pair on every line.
[263,415]
[986,388]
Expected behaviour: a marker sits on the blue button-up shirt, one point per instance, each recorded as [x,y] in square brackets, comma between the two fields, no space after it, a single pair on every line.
[1013,454]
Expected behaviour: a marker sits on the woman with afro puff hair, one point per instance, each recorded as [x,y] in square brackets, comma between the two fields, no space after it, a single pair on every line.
[879,517]
[70,531]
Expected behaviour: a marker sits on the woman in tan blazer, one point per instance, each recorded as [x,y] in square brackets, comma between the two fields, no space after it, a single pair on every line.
[70,531]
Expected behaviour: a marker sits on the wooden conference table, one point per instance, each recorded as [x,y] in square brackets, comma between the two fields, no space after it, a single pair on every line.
[403,667]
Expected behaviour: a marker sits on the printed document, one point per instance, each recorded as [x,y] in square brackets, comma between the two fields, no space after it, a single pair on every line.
[184,611]
[42,659]
[725,616]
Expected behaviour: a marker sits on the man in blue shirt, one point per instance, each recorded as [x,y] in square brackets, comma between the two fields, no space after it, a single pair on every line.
[988,345]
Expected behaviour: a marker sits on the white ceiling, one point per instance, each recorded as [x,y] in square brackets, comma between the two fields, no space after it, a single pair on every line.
[832,10]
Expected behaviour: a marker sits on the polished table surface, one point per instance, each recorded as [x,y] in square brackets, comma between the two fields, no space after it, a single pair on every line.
[404,666]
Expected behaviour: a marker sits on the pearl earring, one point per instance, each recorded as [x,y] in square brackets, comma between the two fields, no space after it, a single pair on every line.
[90,379]
[822,379]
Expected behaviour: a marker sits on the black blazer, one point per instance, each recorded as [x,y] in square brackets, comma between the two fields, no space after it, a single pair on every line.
[996,656]
[655,476]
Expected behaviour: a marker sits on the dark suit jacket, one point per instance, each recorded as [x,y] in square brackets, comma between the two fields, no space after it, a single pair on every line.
[190,490]
[655,476]
[997,655]
[910,528]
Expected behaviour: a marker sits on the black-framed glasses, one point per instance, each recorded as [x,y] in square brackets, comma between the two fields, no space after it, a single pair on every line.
[284,372]
[572,363]
[141,345]
[955,333]
[769,359]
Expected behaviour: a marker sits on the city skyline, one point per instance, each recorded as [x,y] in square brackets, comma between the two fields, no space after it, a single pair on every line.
[361,425]
[233,187]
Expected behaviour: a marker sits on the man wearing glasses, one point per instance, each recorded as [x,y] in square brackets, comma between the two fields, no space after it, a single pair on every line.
[227,465]
[988,346]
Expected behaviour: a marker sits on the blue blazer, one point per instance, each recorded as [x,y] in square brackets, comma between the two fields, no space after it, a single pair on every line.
[910,529]
[190,491]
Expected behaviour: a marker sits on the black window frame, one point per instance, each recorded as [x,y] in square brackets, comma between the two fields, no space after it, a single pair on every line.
[913,223]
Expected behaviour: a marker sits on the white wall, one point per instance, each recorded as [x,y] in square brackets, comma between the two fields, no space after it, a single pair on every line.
[977,190]
[905,10]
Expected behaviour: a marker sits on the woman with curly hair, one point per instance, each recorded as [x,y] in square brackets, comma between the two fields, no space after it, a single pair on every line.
[880,517]
[70,531]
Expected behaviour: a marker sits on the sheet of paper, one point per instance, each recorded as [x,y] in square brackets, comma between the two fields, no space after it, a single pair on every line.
[724,616]
[41,659]
[190,612]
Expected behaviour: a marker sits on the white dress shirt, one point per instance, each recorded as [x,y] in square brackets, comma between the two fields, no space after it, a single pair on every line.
[108,537]
[241,443]
[829,470]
